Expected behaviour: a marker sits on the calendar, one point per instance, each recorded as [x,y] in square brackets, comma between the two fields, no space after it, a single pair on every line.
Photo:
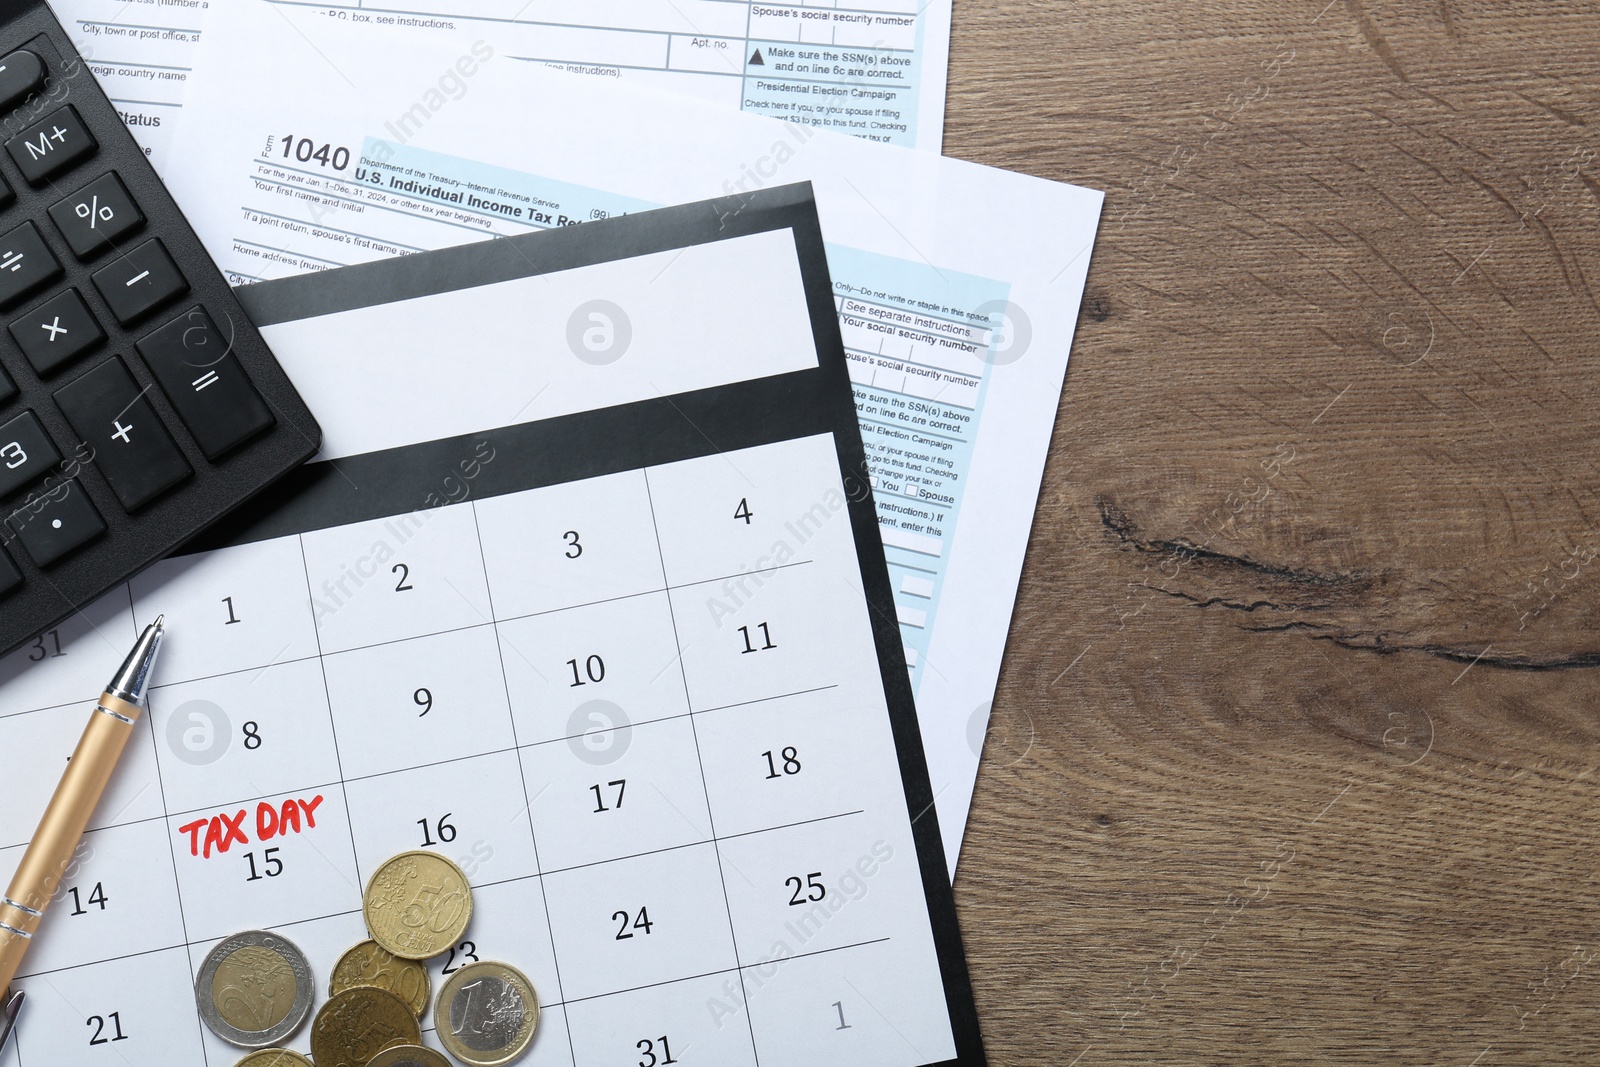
[585,593]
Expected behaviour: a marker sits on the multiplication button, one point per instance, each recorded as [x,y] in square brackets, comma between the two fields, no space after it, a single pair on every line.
[51,145]
[96,216]
[25,263]
[54,523]
[139,282]
[57,332]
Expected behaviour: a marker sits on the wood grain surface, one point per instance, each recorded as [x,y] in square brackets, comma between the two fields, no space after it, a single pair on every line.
[1293,759]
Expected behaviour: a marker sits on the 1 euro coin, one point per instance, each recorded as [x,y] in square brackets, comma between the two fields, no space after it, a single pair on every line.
[486,1014]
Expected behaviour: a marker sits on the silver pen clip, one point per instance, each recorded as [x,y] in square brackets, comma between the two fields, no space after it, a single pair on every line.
[12,1006]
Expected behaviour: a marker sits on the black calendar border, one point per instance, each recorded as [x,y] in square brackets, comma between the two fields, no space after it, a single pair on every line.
[627,437]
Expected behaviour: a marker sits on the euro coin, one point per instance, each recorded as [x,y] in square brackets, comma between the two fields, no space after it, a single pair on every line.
[409,1056]
[486,1014]
[274,1057]
[370,964]
[356,1025]
[417,905]
[254,989]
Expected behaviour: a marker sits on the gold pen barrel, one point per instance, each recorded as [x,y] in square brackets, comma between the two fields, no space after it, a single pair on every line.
[39,875]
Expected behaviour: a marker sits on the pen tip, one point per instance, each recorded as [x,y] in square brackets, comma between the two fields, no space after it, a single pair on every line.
[160,622]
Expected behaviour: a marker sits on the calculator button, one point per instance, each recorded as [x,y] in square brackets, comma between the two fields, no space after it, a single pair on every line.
[96,216]
[57,332]
[26,452]
[139,282]
[25,263]
[10,577]
[55,522]
[21,73]
[51,145]
[131,447]
[202,377]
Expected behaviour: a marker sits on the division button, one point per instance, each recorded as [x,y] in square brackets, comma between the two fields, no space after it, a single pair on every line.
[10,577]
[131,446]
[25,263]
[57,332]
[139,282]
[26,452]
[195,364]
[55,522]
[51,145]
[97,216]
[21,73]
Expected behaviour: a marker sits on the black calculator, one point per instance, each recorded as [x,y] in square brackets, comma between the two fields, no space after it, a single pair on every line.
[137,402]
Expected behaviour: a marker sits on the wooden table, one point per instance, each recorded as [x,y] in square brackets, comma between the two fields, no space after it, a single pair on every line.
[1294,754]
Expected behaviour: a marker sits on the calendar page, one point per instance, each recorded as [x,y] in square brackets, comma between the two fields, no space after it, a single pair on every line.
[587,594]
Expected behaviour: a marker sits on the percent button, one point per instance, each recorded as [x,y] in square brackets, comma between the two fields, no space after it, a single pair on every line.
[95,217]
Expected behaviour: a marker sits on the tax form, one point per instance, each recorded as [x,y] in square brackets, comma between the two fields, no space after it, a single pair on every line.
[874,69]
[957,286]
[141,54]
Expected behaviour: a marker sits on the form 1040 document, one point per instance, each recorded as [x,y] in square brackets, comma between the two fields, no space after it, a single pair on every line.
[874,69]
[141,54]
[957,286]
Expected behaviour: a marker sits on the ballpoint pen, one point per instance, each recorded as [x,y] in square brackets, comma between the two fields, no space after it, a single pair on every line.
[43,864]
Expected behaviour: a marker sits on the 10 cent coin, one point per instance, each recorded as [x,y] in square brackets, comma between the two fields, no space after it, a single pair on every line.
[356,1025]
[417,905]
[274,1057]
[370,964]
[486,1014]
[409,1056]
[254,989]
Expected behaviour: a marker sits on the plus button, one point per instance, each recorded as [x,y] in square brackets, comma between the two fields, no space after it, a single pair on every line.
[122,432]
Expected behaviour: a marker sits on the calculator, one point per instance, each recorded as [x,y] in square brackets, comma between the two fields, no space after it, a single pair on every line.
[137,402]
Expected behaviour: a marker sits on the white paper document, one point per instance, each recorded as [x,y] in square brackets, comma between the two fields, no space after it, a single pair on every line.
[875,69]
[957,286]
[141,54]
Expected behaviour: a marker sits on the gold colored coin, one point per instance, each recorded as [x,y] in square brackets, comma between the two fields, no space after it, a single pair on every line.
[370,964]
[275,1057]
[417,905]
[486,1014]
[356,1025]
[409,1056]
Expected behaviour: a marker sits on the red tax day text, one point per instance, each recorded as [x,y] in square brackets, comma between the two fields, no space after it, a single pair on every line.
[224,831]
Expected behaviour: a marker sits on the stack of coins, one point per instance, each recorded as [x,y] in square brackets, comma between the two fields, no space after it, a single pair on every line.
[254,989]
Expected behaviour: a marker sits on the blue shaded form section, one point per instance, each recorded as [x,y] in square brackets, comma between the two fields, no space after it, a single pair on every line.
[919,340]
[480,195]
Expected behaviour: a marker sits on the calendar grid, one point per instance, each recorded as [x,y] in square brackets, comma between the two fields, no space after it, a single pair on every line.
[165,815]
[533,834]
[338,759]
[711,818]
[172,849]
[337,702]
